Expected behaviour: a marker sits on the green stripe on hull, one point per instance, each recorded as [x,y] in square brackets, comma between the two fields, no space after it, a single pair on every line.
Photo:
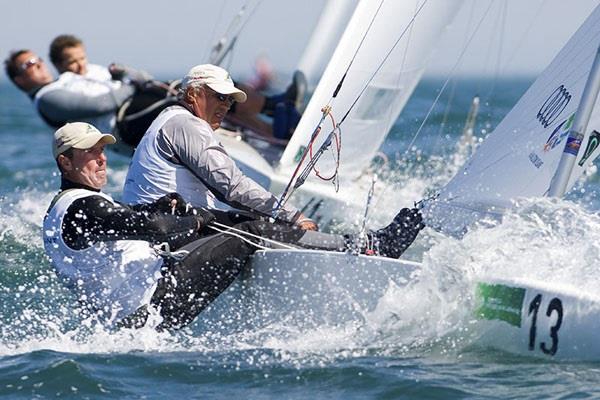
[499,302]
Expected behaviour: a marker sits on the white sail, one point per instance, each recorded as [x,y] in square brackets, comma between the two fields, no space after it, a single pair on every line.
[386,94]
[520,157]
[325,37]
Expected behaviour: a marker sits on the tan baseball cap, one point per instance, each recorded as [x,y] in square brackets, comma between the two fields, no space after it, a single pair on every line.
[214,77]
[78,135]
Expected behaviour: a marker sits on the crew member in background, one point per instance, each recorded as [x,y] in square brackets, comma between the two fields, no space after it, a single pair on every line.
[95,94]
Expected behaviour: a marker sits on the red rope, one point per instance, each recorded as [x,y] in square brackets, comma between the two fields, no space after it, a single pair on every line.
[338,148]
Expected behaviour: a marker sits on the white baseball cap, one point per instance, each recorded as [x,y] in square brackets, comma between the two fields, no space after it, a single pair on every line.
[215,78]
[78,135]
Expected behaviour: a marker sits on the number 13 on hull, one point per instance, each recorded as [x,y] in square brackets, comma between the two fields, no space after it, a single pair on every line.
[538,319]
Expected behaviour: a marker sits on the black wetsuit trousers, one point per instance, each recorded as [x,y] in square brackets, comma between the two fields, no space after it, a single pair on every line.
[190,284]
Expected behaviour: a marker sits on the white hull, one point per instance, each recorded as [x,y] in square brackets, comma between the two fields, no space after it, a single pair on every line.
[304,289]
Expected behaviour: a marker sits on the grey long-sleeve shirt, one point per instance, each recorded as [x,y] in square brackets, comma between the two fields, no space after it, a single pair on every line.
[187,141]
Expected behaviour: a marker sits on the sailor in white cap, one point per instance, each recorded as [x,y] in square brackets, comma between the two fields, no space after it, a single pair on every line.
[179,153]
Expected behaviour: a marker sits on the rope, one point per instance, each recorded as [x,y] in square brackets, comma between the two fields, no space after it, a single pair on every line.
[287,192]
[229,230]
[338,144]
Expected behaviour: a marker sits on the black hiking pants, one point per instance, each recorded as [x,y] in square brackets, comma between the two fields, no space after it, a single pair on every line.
[190,284]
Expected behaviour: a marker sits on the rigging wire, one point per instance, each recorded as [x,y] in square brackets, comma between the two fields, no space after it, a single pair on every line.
[502,23]
[401,69]
[287,193]
[326,110]
[214,30]
[363,237]
[225,46]
[454,83]
[410,23]
[524,35]
[488,54]
[449,77]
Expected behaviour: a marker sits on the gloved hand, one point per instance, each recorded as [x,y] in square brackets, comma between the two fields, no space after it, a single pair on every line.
[204,217]
[117,71]
[172,203]
[137,78]
[395,238]
[410,223]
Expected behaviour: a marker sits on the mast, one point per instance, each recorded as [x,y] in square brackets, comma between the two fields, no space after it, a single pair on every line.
[558,185]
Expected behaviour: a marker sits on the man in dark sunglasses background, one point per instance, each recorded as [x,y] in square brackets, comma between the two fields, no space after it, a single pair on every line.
[179,153]
[28,71]
[71,97]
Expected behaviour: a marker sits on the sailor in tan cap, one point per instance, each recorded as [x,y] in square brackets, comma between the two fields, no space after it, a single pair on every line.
[122,262]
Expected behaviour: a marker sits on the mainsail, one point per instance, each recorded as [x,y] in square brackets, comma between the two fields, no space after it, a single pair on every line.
[415,26]
[520,157]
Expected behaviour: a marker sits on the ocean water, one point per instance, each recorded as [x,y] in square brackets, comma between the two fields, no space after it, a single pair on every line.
[427,350]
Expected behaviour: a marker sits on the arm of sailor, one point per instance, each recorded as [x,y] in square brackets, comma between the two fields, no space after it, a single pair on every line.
[195,147]
[120,72]
[65,105]
[95,219]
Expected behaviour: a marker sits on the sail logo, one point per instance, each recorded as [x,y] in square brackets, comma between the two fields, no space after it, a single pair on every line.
[593,142]
[559,133]
[553,106]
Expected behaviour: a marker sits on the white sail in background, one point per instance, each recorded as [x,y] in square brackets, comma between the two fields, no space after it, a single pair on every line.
[520,157]
[387,93]
[325,37]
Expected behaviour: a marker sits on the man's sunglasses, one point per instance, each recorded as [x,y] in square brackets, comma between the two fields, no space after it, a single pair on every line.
[222,97]
[30,63]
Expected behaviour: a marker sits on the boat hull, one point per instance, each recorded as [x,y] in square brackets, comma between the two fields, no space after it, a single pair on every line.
[305,289]
[302,290]
[536,319]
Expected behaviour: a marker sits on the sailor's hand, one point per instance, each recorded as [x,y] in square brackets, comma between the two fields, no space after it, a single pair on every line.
[117,71]
[411,222]
[204,217]
[171,203]
[306,224]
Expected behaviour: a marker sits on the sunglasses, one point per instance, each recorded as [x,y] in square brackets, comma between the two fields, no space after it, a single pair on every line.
[30,63]
[222,97]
